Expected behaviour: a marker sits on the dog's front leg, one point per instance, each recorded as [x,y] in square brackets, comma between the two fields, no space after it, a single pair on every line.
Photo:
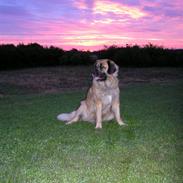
[98,114]
[116,111]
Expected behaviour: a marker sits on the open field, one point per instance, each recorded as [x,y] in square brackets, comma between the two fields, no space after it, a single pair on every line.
[60,79]
[35,147]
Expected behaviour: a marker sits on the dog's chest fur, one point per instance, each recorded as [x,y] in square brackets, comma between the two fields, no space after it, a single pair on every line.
[106,91]
[107,100]
[106,97]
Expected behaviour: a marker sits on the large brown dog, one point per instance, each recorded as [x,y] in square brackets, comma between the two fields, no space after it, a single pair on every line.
[102,100]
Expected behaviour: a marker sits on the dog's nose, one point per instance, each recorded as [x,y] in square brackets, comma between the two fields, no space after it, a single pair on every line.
[101,67]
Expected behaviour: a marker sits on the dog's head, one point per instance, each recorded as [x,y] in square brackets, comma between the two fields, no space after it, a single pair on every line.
[103,68]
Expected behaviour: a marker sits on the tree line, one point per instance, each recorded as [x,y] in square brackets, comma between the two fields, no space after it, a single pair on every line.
[35,55]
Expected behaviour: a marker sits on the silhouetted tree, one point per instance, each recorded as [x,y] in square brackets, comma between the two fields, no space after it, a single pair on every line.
[35,55]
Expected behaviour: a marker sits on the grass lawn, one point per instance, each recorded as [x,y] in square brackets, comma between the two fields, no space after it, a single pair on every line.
[35,147]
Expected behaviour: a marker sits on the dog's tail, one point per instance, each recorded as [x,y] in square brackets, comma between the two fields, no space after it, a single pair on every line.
[66,116]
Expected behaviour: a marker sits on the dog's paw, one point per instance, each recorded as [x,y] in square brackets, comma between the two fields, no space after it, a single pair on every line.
[121,123]
[69,122]
[98,126]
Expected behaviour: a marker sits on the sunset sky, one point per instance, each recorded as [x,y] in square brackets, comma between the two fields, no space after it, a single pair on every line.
[91,24]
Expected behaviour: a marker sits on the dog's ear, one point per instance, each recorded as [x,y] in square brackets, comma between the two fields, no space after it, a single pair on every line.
[112,67]
[95,70]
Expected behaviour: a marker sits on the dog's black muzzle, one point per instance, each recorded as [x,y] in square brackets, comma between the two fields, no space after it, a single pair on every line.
[99,75]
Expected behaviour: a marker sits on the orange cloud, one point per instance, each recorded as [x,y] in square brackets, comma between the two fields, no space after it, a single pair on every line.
[94,39]
[105,6]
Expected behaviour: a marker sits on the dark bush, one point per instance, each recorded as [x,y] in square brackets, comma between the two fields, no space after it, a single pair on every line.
[35,55]
[147,56]
[75,57]
[31,55]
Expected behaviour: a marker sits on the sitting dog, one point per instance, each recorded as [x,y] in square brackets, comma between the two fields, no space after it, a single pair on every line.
[102,102]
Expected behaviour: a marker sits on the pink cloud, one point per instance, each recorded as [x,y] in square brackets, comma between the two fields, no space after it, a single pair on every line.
[99,23]
[80,4]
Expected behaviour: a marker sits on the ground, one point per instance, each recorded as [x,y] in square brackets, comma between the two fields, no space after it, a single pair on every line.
[59,79]
[35,147]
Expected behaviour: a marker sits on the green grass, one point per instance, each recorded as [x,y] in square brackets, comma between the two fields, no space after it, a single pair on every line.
[35,147]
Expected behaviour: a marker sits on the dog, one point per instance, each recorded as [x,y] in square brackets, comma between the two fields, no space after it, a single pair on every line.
[102,101]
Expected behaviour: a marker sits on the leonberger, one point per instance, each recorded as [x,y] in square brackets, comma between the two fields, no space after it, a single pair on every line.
[102,102]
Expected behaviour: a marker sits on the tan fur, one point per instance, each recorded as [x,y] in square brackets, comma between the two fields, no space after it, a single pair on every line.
[102,100]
